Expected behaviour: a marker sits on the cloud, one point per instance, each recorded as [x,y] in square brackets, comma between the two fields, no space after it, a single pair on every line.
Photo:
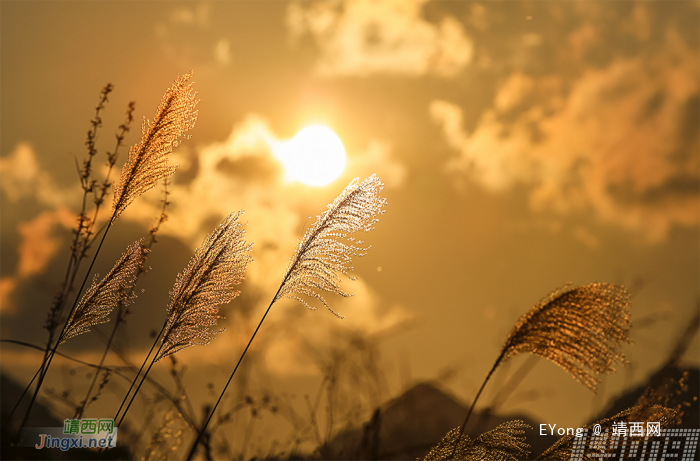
[39,243]
[622,142]
[23,178]
[242,172]
[377,159]
[366,37]
[586,237]
[222,52]
[187,36]
[198,16]
[20,171]
[366,314]
[7,288]
[290,329]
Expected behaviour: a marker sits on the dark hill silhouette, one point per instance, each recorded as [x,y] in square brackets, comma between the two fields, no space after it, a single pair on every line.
[408,426]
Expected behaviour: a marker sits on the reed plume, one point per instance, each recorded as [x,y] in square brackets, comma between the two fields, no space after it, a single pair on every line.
[667,417]
[83,234]
[148,160]
[321,258]
[123,310]
[208,281]
[216,267]
[146,165]
[578,328]
[505,442]
[112,291]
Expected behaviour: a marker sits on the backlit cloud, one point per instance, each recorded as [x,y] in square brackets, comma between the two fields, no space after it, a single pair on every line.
[23,177]
[622,142]
[365,313]
[222,51]
[290,328]
[185,35]
[366,37]
[38,244]
[377,159]
[242,172]
[198,16]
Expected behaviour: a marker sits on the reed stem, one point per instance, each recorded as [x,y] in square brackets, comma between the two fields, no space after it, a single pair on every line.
[211,413]
[139,372]
[65,326]
[471,408]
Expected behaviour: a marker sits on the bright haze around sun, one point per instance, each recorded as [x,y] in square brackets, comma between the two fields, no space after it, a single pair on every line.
[315,156]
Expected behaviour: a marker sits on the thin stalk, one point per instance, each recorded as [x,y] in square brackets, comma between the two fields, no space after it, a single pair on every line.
[77,256]
[248,433]
[139,386]
[75,303]
[513,382]
[165,337]
[26,389]
[79,411]
[123,311]
[60,354]
[211,413]
[327,222]
[159,388]
[139,372]
[471,408]
[65,326]
[57,308]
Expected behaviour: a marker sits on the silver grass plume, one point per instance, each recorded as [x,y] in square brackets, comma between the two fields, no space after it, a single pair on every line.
[666,417]
[580,329]
[216,267]
[148,160]
[505,442]
[112,291]
[321,258]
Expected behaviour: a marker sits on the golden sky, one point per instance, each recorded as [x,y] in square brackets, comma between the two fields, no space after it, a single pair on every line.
[523,145]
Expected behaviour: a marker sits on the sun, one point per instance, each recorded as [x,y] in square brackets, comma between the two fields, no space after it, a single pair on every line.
[315,156]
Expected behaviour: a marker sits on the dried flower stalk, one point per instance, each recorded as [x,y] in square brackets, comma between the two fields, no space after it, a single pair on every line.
[113,291]
[321,258]
[216,267]
[148,160]
[167,439]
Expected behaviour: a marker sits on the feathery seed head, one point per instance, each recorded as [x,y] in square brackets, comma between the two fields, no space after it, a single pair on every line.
[505,442]
[208,281]
[666,417]
[148,160]
[113,291]
[325,252]
[580,329]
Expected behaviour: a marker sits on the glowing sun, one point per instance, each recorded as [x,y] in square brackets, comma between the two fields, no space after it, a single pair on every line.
[315,156]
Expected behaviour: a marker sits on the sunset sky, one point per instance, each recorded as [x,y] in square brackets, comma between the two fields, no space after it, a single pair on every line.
[523,146]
